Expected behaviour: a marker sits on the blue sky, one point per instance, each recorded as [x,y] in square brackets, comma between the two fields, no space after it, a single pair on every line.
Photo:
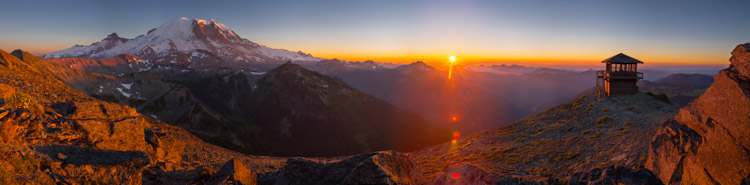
[670,32]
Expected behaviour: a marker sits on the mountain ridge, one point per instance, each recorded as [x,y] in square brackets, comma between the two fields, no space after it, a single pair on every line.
[311,105]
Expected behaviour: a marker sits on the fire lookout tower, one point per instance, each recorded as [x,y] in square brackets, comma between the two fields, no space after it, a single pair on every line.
[620,76]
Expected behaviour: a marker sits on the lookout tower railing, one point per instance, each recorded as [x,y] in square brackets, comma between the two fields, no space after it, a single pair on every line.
[620,75]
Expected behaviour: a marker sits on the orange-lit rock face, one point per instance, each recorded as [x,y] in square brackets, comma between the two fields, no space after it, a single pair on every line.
[706,143]
[741,59]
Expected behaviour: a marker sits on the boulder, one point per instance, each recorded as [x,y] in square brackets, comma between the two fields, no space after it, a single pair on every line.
[6,91]
[387,167]
[167,151]
[740,56]
[233,172]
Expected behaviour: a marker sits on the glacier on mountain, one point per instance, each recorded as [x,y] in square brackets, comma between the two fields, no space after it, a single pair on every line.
[185,36]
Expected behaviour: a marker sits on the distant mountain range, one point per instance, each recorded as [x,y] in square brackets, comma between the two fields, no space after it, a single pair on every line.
[210,83]
[200,69]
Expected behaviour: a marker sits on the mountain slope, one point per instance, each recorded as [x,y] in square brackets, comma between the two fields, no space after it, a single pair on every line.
[150,95]
[182,36]
[323,116]
[680,88]
[708,141]
[53,134]
[570,138]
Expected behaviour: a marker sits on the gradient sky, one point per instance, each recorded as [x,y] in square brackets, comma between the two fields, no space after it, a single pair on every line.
[559,32]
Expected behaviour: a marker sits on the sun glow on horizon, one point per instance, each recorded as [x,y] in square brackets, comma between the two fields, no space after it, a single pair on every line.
[450,67]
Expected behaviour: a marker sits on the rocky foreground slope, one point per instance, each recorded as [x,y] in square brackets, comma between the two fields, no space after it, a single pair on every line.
[54,134]
[708,141]
[559,143]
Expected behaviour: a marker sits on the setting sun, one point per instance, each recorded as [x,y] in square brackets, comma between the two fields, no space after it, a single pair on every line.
[450,67]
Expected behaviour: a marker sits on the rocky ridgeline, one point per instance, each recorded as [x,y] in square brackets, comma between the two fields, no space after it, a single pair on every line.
[708,141]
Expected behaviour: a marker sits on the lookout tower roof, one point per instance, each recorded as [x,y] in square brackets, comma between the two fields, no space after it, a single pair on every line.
[622,59]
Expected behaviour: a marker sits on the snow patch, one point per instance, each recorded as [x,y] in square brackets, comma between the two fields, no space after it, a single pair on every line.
[127,86]
[123,92]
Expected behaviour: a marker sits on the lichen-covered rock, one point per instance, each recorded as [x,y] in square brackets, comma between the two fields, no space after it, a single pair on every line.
[127,134]
[233,172]
[707,141]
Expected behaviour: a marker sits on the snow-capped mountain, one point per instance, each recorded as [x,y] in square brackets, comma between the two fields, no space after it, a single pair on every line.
[182,36]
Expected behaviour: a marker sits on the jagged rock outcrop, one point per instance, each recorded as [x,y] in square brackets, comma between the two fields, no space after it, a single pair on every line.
[708,141]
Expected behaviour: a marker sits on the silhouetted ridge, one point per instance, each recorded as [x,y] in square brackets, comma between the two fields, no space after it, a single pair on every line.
[323,116]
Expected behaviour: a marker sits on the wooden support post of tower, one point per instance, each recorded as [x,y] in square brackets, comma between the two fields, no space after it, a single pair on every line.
[619,77]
